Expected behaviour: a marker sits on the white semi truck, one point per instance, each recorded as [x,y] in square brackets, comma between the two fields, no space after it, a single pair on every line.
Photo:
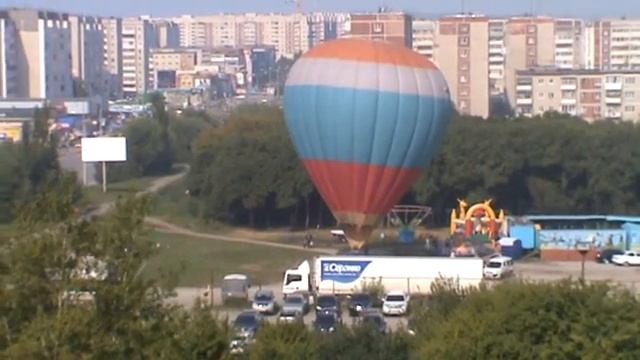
[348,274]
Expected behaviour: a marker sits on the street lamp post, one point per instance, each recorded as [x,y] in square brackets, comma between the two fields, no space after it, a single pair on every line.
[583,248]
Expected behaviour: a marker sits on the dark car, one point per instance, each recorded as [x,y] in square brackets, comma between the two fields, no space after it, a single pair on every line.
[328,303]
[375,319]
[248,322]
[326,321]
[604,256]
[359,303]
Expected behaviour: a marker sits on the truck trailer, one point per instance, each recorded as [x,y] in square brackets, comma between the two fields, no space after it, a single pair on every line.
[345,275]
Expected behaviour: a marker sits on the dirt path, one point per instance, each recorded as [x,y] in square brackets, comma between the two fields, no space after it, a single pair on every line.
[166,227]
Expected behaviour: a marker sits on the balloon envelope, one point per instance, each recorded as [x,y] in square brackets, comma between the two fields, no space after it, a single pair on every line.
[365,118]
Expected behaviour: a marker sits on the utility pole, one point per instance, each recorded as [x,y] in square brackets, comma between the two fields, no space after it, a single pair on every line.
[462,7]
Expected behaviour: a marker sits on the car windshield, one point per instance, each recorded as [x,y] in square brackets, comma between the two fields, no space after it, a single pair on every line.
[263,297]
[325,320]
[494,265]
[246,321]
[293,300]
[327,301]
[361,299]
[394,298]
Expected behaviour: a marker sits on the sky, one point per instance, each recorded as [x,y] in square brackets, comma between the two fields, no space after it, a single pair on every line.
[579,8]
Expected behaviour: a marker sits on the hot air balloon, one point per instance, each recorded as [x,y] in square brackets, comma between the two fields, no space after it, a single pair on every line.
[365,118]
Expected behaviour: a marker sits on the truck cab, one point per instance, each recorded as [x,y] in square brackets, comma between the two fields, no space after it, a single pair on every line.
[297,280]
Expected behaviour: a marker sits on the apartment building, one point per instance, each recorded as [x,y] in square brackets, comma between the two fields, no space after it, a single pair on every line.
[462,55]
[138,37]
[87,56]
[614,44]
[112,46]
[8,65]
[193,32]
[41,54]
[167,32]
[590,94]
[424,36]
[395,27]
[326,26]
[497,59]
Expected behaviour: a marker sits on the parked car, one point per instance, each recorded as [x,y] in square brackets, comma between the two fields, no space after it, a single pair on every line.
[295,303]
[326,321]
[626,259]
[375,319]
[239,343]
[328,302]
[264,302]
[498,267]
[604,256]
[235,286]
[247,323]
[290,316]
[359,303]
[395,303]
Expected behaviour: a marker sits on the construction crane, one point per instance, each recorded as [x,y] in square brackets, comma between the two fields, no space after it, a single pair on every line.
[298,3]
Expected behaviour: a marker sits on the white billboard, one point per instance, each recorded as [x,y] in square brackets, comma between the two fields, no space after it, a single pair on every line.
[99,149]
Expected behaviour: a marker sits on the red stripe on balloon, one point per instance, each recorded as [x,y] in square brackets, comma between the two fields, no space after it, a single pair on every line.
[361,188]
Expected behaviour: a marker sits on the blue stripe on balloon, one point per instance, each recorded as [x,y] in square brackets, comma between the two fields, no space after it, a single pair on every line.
[365,126]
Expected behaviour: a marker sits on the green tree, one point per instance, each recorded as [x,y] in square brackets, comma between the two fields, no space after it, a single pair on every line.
[516,320]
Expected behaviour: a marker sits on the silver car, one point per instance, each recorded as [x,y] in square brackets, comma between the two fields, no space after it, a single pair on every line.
[295,303]
[264,301]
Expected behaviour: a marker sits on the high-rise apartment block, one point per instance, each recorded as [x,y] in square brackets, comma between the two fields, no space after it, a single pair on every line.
[112,42]
[591,94]
[462,55]
[36,62]
[138,38]
[386,26]
[87,56]
[326,26]
[8,58]
[614,44]
[424,36]
[167,33]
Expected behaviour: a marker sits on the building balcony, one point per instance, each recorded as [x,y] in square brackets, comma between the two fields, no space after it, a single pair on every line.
[524,87]
[496,59]
[614,114]
[524,101]
[613,100]
[613,86]
[568,101]
[564,41]
[569,87]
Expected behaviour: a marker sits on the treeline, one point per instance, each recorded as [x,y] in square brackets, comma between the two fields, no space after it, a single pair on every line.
[29,166]
[156,143]
[246,172]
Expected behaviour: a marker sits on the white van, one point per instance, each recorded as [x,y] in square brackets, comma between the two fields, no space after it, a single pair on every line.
[498,267]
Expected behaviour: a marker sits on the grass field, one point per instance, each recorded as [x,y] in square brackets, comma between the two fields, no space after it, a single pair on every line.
[203,258]
[93,195]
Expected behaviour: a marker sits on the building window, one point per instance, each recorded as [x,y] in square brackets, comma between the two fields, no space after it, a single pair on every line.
[531,29]
[463,41]
[629,94]
[540,94]
[630,80]
[629,108]
[551,95]
[531,40]
[541,81]
[550,80]
[378,28]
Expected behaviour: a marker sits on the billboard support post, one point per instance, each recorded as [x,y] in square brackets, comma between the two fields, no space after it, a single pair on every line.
[104,176]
